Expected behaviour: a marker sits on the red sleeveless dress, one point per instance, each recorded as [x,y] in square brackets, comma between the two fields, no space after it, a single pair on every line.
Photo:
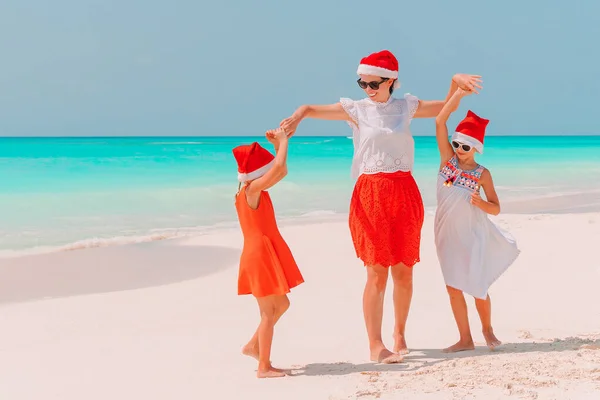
[267,266]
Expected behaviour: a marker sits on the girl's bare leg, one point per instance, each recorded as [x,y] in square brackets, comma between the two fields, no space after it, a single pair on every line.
[484,308]
[373,312]
[403,290]
[268,309]
[461,316]
[251,348]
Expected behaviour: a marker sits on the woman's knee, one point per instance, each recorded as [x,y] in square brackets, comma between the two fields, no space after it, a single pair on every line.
[377,277]
[402,275]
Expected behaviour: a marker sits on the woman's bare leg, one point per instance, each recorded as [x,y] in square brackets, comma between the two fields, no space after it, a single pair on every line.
[373,312]
[403,290]
[461,316]
[251,348]
[484,308]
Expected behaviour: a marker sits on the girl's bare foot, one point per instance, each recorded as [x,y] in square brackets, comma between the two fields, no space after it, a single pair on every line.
[270,373]
[385,356]
[250,351]
[462,345]
[400,345]
[490,339]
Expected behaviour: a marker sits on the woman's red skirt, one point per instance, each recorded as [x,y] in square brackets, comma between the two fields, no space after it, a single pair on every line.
[386,217]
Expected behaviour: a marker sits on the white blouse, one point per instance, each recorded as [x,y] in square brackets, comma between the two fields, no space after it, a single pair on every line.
[381,134]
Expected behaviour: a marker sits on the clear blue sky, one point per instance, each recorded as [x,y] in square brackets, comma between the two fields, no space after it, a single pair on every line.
[105,67]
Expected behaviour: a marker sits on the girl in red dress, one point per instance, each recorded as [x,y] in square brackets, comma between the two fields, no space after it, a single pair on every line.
[267,268]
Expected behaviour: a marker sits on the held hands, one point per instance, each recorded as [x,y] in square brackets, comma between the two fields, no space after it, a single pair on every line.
[468,83]
[463,93]
[290,124]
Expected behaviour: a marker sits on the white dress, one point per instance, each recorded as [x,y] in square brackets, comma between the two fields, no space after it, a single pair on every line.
[472,250]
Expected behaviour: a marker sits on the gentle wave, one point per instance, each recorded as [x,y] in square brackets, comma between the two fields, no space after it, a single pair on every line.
[319,213]
[157,235]
[92,243]
[316,142]
[174,143]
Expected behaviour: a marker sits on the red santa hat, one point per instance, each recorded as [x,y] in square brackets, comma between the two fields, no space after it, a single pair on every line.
[253,161]
[471,131]
[382,64]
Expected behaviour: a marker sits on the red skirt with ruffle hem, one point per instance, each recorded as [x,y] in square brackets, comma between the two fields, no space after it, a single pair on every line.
[386,217]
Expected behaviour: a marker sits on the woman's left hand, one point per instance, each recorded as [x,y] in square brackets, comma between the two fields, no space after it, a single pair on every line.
[468,82]
[476,199]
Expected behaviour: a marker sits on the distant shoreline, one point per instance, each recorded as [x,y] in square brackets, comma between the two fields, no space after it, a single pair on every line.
[258,136]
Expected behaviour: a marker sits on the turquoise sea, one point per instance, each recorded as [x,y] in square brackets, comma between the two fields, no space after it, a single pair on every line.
[79,192]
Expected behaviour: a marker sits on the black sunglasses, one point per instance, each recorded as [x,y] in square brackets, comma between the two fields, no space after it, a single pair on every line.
[465,147]
[373,85]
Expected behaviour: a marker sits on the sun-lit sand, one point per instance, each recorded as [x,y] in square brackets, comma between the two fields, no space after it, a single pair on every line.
[162,320]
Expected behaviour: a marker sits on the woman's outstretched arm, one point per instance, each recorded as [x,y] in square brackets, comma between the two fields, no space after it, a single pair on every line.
[431,108]
[328,111]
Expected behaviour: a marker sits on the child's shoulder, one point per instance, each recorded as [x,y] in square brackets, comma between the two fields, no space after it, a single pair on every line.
[484,173]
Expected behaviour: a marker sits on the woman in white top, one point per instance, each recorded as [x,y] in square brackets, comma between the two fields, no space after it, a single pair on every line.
[386,210]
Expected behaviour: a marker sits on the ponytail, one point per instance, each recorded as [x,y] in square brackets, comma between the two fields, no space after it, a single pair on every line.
[238,191]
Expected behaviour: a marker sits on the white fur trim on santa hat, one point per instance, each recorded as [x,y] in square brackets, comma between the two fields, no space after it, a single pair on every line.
[256,173]
[365,69]
[465,139]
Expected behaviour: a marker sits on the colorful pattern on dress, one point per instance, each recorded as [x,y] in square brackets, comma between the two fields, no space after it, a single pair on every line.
[454,176]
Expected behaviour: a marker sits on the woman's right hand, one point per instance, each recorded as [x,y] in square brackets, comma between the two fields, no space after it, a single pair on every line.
[290,124]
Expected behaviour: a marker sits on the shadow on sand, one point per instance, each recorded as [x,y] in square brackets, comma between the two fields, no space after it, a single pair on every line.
[108,269]
[421,358]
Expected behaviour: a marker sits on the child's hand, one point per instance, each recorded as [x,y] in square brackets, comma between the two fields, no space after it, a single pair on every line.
[464,93]
[271,137]
[476,199]
[276,135]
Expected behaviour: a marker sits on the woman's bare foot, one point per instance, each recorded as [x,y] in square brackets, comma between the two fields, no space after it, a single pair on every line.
[250,351]
[490,339]
[270,373]
[400,345]
[460,346]
[385,356]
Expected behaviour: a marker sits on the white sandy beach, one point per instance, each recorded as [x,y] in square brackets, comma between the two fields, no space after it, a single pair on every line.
[162,320]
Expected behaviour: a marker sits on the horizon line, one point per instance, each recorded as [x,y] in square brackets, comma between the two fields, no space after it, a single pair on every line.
[254,136]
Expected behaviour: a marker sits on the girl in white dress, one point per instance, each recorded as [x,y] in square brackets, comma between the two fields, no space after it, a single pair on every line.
[473,252]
